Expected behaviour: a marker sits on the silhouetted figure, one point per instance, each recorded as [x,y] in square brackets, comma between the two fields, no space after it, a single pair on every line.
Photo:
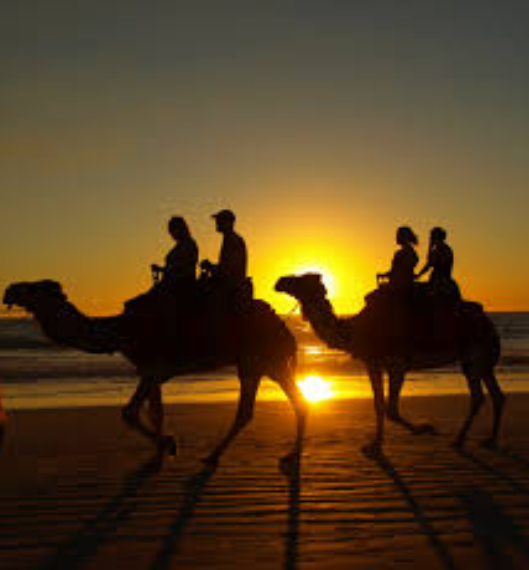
[181,262]
[402,273]
[229,289]
[233,259]
[395,298]
[439,263]
[229,274]
[174,289]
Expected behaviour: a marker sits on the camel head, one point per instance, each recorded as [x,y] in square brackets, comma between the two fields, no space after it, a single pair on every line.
[30,296]
[305,288]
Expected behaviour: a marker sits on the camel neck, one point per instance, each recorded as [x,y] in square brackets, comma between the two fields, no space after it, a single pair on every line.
[320,314]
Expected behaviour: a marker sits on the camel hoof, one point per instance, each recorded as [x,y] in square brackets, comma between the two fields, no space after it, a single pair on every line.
[490,443]
[289,464]
[373,450]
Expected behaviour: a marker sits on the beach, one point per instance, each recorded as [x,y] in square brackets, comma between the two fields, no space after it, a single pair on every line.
[79,490]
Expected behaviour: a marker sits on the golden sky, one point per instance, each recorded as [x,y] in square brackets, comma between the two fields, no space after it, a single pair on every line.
[323,125]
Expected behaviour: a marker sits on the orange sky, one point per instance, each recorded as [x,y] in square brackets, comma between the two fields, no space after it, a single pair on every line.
[323,128]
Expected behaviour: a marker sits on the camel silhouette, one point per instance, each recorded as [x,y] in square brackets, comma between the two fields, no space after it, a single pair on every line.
[256,341]
[469,337]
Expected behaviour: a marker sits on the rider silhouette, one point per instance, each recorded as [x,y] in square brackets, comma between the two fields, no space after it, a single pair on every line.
[439,263]
[230,271]
[179,271]
[401,275]
[396,296]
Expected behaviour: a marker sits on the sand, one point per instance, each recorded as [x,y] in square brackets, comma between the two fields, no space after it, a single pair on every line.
[77,491]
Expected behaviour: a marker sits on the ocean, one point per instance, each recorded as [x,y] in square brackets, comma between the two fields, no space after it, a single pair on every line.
[37,374]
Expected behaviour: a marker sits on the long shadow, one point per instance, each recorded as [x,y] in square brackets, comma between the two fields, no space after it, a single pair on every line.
[85,543]
[292,534]
[512,455]
[495,472]
[426,527]
[493,530]
[171,543]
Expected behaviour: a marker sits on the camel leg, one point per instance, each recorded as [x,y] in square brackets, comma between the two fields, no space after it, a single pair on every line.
[243,416]
[395,383]
[476,401]
[289,462]
[156,416]
[498,402]
[374,449]
[131,412]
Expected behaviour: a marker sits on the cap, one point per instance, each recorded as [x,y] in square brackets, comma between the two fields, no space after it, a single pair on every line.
[227,215]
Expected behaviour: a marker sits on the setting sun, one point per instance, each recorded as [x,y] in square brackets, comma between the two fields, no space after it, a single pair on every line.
[315,388]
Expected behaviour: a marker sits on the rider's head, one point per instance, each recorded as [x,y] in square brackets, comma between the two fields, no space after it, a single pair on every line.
[438,234]
[225,220]
[405,235]
[177,227]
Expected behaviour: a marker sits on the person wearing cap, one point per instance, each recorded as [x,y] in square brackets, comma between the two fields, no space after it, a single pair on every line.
[439,263]
[180,266]
[402,273]
[233,259]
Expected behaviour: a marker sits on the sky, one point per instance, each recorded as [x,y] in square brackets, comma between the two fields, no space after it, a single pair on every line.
[323,124]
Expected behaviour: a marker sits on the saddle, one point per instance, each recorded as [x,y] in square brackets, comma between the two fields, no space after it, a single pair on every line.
[419,318]
[190,321]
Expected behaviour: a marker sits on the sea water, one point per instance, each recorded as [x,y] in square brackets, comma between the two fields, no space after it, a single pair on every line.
[34,373]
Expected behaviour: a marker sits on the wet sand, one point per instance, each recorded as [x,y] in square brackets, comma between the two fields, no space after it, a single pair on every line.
[77,491]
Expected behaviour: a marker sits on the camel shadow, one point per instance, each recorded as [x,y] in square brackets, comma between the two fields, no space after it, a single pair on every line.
[426,528]
[85,543]
[195,487]
[494,471]
[509,453]
[292,534]
[493,530]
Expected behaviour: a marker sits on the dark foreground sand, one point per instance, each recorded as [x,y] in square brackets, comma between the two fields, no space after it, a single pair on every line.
[76,491]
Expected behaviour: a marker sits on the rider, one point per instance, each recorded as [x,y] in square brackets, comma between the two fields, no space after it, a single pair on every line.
[397,303]
[179,271]
[229,274]
[401,275]
[230,289]
[440,262]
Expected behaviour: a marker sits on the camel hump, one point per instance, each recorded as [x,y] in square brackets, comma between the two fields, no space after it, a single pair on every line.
[263,327]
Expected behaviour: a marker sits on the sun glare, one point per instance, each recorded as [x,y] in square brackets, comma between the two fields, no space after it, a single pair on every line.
[315,388]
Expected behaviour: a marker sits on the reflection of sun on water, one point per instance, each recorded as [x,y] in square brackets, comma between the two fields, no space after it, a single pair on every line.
[315,388]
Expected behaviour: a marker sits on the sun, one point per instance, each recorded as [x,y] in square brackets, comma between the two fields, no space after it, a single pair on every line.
[315,388]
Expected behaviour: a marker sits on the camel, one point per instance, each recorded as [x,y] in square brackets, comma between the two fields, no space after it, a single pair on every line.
[470,339]
[256,341]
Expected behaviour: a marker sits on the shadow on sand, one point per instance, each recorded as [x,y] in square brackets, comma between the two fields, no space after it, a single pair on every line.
[84,544]
[195,487]
[494,531]
[292,534]
[426,528]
